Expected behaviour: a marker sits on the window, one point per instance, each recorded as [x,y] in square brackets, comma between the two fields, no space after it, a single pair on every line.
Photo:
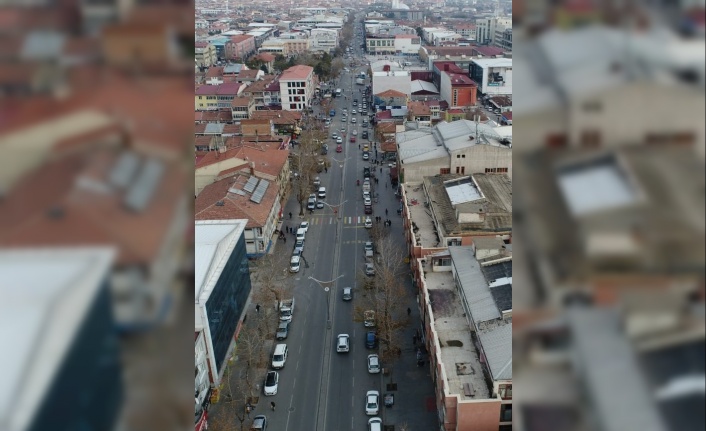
[556,140]
[502,170]
[458,169]
[463,170]
[591,139]
[454,241]
[292,106]
[458,156]
[444,171]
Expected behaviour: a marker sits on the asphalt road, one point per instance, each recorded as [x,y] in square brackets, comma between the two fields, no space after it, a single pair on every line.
[320,389]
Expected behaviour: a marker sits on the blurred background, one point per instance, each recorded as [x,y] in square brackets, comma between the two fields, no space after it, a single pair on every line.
[608,215]
[95,214]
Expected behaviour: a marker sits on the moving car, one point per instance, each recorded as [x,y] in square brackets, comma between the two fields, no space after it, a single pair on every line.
[347,293]
[342,345]
[294,263]
[372,403]
[365,134]
[319,204]
[369,269]
[339,140]
[322,192]
[282,330]
[366,155]
[339,148]
[373,364]
[353,120]
[368,223]
[271,383]
[353,139]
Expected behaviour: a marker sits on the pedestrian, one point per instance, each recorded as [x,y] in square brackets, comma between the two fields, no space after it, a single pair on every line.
[257,308]
[272,404]
[385,185]
[385,208]
[285,239]
[290,215]
[409,311]
[381,169]
[326,169]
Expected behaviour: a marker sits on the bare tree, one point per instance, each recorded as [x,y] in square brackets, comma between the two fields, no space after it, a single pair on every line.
[309,160]
[337,66]
[271,284]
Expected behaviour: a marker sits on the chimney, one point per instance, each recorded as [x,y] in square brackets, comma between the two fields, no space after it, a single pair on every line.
[252,168]
[446,68]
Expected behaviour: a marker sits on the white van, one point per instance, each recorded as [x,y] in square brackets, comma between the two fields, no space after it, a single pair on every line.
[322,192]
[279,357]
[301,234]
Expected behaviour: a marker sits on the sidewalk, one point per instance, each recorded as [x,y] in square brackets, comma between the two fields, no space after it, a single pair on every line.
[415,402]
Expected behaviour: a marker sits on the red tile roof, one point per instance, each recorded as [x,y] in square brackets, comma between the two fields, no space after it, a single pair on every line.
[267,156]
[391,93]
[234,205]
[89,218]
[296,73]
[278,117]
[240,38]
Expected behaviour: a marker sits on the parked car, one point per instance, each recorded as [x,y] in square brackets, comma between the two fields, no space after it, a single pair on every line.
[317,182]
[342,345]
[375,424]
[304,225]
[353,111]
[371,340]
[259,423]
[365,134]
[319,205]
[294,263]
[369,269]
[322,193]
[366,155]
[282,330]
[368,223]
[353,120]
[372,403]
[373,364]
[339,140]
[299,245]
[271,383]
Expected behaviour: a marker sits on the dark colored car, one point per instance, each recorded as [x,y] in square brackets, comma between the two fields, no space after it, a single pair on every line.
[283,330]
[368,209]
[365,134]
[371,340]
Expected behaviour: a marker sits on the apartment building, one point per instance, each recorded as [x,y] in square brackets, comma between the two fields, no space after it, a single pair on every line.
[205,54]
[240,47]
[297,86]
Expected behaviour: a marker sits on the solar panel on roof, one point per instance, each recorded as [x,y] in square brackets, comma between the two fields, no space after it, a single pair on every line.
[140,192]
[260,191]
[250,185]
[124,170]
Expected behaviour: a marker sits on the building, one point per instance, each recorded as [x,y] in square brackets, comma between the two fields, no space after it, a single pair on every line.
[265,93]
[486,28]
[467,31]
[392,80]
[503,39]
[390,98]
[323,40]
[221,288]
[146,44]
[242,108]
[465,299]
[419,114]
[460,147]
[240,47]
[205,54]
[493,76]
[297,85]
[217,97]
[455,87]
[58,320]
[458,210]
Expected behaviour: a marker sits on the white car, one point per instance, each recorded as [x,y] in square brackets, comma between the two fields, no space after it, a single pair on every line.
[354,133]
[372,403]
[339,140]
[368,223]
[375,424]
[366,195]
[271,383]
[373,364]
[304,225]
[367,201]
[294,263]
[353,120]
[334,136]
[342,345]
[369,269]
[322,192]
[353,112]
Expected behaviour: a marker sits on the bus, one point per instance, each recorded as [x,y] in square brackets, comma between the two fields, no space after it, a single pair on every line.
[339,92]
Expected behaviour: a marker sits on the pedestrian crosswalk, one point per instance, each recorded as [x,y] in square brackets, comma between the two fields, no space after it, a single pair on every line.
[324,220]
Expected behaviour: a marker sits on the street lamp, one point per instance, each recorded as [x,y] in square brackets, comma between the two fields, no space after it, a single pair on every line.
[340,164]
[328,296]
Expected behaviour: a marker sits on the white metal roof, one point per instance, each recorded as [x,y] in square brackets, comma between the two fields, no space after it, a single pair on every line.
[492,62]
[419,85]
[45,296]
[595,188]
[214,243]
[462,191]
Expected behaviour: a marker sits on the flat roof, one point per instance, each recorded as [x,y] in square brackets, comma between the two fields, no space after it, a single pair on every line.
[462,190]
[595,185]
[46,295]
[492,62]
[215,240]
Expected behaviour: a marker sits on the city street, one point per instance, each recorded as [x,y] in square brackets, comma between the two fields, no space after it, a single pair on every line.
[320,389]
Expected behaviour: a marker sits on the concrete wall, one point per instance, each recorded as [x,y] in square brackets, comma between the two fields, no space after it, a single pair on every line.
[479,157]
[415,172]
[478,415]
[393,81]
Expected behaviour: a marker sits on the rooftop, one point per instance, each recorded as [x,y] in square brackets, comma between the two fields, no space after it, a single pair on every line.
[214,241]
[297,73]
[597,204]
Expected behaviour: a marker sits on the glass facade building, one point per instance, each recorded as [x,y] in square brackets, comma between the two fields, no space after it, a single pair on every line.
[226,303]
